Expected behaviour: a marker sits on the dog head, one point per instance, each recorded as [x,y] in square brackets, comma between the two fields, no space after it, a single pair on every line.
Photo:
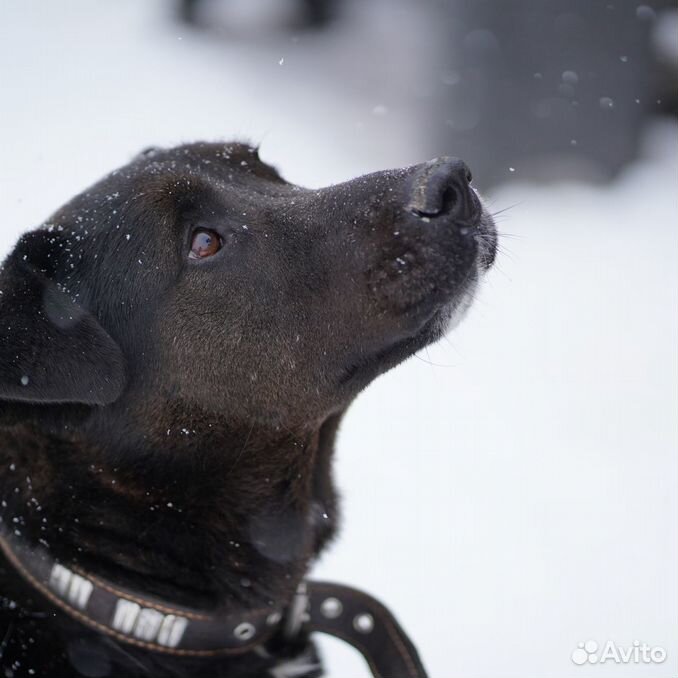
[198,275]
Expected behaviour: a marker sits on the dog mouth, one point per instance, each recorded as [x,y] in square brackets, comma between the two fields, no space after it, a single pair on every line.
[433,321]
[430,261]
[368,365]
[432,289]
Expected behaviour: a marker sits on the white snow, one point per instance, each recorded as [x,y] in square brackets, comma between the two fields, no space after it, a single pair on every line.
[518,495]
[510,492]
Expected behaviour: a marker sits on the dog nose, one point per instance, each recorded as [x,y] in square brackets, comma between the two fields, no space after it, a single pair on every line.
[442,187]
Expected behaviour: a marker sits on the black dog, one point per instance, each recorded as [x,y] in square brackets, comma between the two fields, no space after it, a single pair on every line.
[178,345]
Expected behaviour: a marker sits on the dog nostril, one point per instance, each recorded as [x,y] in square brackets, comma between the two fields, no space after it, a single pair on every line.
[447,200]
[441,187]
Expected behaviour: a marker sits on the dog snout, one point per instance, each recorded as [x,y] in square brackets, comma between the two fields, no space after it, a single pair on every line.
[442,187]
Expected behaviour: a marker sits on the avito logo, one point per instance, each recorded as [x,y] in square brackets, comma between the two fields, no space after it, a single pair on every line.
[637,653]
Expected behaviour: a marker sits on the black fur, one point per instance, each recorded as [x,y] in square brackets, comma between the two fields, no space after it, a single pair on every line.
[169,423]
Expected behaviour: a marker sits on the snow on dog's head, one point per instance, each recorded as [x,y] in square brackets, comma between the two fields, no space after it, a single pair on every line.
[198,275]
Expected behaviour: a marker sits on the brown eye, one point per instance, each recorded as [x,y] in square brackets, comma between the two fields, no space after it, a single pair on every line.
[204,243]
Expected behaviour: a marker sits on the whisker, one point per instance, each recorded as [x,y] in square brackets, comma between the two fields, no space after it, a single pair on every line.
[430,362]
[506,209]
[506,252]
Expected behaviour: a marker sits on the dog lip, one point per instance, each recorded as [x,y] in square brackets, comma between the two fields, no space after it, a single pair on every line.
[485,235]
[480,229]
[487,256]
[393,352]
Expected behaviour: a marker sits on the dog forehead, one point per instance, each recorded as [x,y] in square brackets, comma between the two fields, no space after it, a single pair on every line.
[158,183]
[234,150]
[234,160]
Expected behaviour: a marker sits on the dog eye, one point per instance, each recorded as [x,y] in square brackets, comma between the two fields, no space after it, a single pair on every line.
[204,243]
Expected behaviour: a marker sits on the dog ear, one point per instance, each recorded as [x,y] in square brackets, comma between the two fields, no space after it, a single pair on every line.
[51,349]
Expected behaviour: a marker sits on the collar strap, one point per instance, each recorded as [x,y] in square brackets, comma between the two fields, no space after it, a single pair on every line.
[130,618]
[361,620]
[340,611]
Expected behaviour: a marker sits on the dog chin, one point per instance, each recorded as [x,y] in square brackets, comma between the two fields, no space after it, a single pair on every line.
[452,314]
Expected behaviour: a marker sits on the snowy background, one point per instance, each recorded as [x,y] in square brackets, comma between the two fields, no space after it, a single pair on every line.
[509,492]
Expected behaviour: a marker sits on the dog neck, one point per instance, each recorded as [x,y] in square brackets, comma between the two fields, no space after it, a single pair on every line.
[228,519]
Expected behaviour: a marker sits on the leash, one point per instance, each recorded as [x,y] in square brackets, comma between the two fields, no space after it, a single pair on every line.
[153,624]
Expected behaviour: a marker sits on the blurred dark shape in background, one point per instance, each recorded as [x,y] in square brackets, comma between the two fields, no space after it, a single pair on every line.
[556,88]
[536,89]
[309,13]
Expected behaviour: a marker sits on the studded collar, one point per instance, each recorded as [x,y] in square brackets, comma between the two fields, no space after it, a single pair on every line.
[133,618]
[153,624]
